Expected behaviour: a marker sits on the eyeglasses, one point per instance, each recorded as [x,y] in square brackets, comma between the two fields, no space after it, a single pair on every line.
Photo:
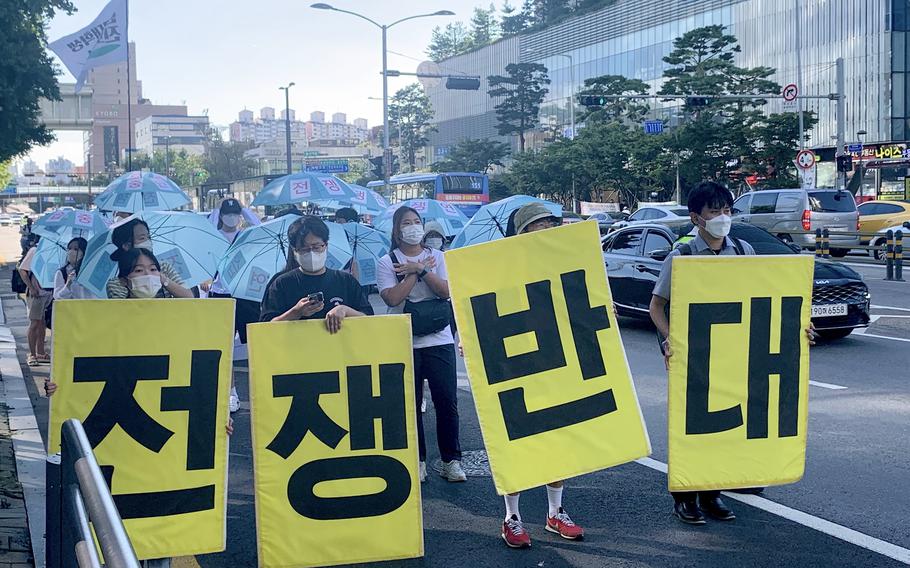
[312,248]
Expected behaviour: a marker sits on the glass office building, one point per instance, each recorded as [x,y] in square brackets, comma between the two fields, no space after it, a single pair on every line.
[631,37]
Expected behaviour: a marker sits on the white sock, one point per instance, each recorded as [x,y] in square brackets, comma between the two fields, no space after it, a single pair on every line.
[554,499]
[512,506]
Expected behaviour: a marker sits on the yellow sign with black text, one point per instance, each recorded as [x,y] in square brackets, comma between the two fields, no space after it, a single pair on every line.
[150,381]
[551,383]
[739,371]
[335,442]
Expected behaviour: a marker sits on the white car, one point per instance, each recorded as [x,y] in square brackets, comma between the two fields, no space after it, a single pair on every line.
[880,239]
[663,214]
[5,220]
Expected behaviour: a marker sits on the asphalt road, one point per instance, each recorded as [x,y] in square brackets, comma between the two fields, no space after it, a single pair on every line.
[857,473]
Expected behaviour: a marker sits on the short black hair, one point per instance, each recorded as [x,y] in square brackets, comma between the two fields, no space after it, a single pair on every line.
[709,194]
[307,225]
[348,214]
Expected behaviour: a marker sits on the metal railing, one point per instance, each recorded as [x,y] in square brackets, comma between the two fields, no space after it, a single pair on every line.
[79,501]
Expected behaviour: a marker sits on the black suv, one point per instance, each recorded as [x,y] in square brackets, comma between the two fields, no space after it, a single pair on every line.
[634,256]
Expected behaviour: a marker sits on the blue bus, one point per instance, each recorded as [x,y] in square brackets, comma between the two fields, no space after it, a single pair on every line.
[467,191]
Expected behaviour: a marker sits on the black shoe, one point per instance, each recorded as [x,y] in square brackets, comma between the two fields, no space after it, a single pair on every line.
[716,509]
[688,512]
[748,490]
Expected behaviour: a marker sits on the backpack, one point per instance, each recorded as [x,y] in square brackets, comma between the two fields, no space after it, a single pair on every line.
[428,316]
[16,282]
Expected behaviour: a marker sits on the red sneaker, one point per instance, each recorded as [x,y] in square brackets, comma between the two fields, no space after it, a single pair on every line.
[515,534]
[562,525]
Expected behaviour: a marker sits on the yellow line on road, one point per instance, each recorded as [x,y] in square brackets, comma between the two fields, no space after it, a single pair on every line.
[185,562]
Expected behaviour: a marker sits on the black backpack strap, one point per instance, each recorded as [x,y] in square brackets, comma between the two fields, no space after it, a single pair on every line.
[395,261]
[738,245]
[685,249]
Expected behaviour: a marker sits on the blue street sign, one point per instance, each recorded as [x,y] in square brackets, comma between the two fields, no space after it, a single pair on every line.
[855,148]
[654,127]
[9,190]
[328,167]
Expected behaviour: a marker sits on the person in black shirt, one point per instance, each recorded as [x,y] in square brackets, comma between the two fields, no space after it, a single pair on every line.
[292,294]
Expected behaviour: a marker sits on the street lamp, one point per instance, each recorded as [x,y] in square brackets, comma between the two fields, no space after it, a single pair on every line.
[571,86]
[386,149]
[287,121]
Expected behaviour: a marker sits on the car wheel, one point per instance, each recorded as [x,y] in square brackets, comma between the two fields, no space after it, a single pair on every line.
[878,253]
[839,253]
[834,334]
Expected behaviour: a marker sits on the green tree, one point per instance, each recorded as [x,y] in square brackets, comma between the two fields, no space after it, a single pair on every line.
[512,22]
[522,92]
[28,73]
[547,12]
[484,27]
[411,112]
[473,156]
[450,41]
[225,161]
[616,109]
[6,174]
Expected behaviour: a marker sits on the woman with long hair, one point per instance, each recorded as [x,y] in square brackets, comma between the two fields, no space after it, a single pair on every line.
[65,285]
[412,279]
[140,273]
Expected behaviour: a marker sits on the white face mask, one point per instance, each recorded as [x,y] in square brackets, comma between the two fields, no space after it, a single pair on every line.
[311,261]
[231,220]
[412,234]
[147,245]
[718,227]
[145,286]
[434,243]
[73,256]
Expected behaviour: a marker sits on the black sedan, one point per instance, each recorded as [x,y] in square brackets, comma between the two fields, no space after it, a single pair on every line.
[634,256]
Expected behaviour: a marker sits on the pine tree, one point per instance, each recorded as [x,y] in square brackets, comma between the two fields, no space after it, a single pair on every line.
[484,27]
[450,41]
[523,91]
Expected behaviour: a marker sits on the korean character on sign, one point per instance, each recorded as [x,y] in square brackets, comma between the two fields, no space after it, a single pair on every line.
[307,417]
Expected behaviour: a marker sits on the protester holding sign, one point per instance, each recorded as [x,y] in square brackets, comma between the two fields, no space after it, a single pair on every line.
[134,234]
[65,285]
[141,275]
[710,206]
[412,279]
[309,290]
[528,219]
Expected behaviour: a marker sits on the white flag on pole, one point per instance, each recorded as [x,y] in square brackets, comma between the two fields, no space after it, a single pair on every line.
[102,42]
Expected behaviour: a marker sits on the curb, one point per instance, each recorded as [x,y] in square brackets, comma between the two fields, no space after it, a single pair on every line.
[31,456]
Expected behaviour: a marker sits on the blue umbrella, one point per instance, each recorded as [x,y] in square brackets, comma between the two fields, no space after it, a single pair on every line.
[49,258]
[449,216]
[260,252]
[368,246]
[62,226]
[303,187]
[141,191]
[490,221]
[184,240]
[365,201]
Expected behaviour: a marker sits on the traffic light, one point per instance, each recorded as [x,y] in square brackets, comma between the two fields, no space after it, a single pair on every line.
[593,100]
[376,167]
[697,101]
[845,163]
[462,83]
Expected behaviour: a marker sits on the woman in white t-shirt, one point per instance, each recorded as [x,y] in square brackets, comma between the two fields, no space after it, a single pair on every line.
[412,273]
[65,285]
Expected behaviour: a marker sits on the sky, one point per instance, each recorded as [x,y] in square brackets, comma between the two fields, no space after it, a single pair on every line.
[227,55]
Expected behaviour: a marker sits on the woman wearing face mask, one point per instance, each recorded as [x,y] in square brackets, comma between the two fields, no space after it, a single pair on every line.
[135,235]
[65,285]
[309,290]
[433,235]
[140,273]
[413,274]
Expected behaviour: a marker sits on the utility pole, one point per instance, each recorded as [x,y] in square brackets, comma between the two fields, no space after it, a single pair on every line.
[287,121]
[799,74]
[841,127]
[167,156]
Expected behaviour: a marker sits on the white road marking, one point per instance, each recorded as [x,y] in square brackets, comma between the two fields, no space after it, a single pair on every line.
[826,385]
[890,308]
[862,333]
[840,532]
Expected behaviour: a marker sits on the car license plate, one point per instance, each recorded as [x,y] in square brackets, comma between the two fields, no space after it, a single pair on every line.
[829,310]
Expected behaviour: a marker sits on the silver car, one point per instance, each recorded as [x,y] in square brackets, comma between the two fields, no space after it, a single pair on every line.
[663,214]
[793,215]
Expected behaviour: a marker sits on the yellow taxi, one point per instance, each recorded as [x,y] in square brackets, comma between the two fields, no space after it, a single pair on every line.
[876,215]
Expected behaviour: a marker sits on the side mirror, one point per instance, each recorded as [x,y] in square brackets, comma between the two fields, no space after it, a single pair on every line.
[659,254]
[795,247]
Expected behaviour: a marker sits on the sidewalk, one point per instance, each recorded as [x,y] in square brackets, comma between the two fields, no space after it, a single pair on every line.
[22,454]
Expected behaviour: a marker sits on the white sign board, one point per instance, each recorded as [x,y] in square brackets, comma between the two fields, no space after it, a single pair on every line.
[590,208]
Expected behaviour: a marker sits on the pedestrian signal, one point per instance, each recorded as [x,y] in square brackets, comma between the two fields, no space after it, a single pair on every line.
[153,403]
[739,373]
[547,368]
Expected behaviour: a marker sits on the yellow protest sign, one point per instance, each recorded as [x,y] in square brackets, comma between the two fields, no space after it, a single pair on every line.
[335,442]
[150,381]
[739,374]
[548,371]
